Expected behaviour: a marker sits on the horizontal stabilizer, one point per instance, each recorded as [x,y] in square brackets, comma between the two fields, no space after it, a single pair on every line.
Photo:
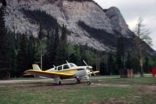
[94,72]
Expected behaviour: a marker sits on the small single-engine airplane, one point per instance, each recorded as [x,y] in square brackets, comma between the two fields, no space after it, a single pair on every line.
[64,71]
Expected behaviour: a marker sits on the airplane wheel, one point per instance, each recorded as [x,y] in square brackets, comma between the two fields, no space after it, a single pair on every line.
[88,83]
[59,83]
[78,81]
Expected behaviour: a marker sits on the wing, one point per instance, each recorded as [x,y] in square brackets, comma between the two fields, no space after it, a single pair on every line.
[50,74]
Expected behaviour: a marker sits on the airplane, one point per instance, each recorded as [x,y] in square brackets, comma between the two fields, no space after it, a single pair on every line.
[64,71]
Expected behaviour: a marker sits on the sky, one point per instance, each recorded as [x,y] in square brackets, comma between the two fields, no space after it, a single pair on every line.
[132,10]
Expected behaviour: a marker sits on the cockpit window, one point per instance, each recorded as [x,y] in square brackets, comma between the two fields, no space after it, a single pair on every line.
[59,67]
[66,67]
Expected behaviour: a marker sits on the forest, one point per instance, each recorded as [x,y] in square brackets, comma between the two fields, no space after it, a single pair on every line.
[19,51]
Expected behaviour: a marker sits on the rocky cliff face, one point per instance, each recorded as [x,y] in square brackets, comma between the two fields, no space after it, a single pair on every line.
[117,21]
[75,14]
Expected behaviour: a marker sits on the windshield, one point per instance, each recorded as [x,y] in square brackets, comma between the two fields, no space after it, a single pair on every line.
[72,65]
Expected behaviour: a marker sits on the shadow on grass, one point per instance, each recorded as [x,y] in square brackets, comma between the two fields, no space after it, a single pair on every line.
[40,84]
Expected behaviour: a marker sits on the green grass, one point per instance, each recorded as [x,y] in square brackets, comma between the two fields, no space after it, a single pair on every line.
[130,81]
[101,91]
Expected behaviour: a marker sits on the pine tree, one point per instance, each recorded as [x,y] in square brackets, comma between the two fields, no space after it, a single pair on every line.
[55,50]
[2,31]
[31,50]
[146,65]
[111,65]
[50,54]
[12,53]
[62,54]
[129,61]
[75,57]
[5,46]
[22,57]
[64,44]
[120,55]
[2,36]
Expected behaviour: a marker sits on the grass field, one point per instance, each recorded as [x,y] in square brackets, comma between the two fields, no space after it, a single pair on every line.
[101,91]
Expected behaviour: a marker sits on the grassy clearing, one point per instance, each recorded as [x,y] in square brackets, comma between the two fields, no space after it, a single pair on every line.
[102,91]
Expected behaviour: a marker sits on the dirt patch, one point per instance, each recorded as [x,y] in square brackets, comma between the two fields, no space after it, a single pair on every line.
[111,85]
[148,89]
[109,102]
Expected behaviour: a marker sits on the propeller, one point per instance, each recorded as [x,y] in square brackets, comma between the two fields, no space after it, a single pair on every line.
[89,67]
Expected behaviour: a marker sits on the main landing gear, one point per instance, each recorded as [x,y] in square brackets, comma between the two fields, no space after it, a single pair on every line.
[78,81]
[57,81]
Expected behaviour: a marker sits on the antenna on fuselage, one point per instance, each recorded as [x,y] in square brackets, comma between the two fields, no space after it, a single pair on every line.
[67,62]
[54,66]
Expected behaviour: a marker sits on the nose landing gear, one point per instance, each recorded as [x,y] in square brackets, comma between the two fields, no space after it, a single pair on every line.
[88,82]
[79,80]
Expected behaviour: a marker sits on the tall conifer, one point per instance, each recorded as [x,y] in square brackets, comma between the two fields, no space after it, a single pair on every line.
[5,59]
[22,57]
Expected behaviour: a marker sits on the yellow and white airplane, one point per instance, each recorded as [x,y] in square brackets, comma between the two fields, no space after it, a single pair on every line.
[64,71]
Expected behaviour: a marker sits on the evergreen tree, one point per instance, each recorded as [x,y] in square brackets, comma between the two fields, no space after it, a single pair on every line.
[62,54]
[50,54]
[55,50]
[12,53]
[31,50]
[64,44]
[22,57]
[120,55]
[97,60]
[129,62]
[5,46]
[75,57]
[111,65]
[41,34]
[104,64]
[83,53]
[2,35]
[146,65]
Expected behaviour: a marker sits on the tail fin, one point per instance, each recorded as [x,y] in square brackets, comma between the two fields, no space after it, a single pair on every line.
[36,67]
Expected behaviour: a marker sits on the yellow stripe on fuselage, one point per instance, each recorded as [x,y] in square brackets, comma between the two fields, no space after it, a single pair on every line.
[73,71]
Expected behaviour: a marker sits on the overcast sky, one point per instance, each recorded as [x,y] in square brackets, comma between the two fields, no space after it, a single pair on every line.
[132,10]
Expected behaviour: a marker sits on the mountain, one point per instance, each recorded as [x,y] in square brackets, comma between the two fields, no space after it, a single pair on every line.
[87,22]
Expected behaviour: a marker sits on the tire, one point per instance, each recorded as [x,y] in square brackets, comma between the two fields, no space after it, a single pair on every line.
[88,83]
